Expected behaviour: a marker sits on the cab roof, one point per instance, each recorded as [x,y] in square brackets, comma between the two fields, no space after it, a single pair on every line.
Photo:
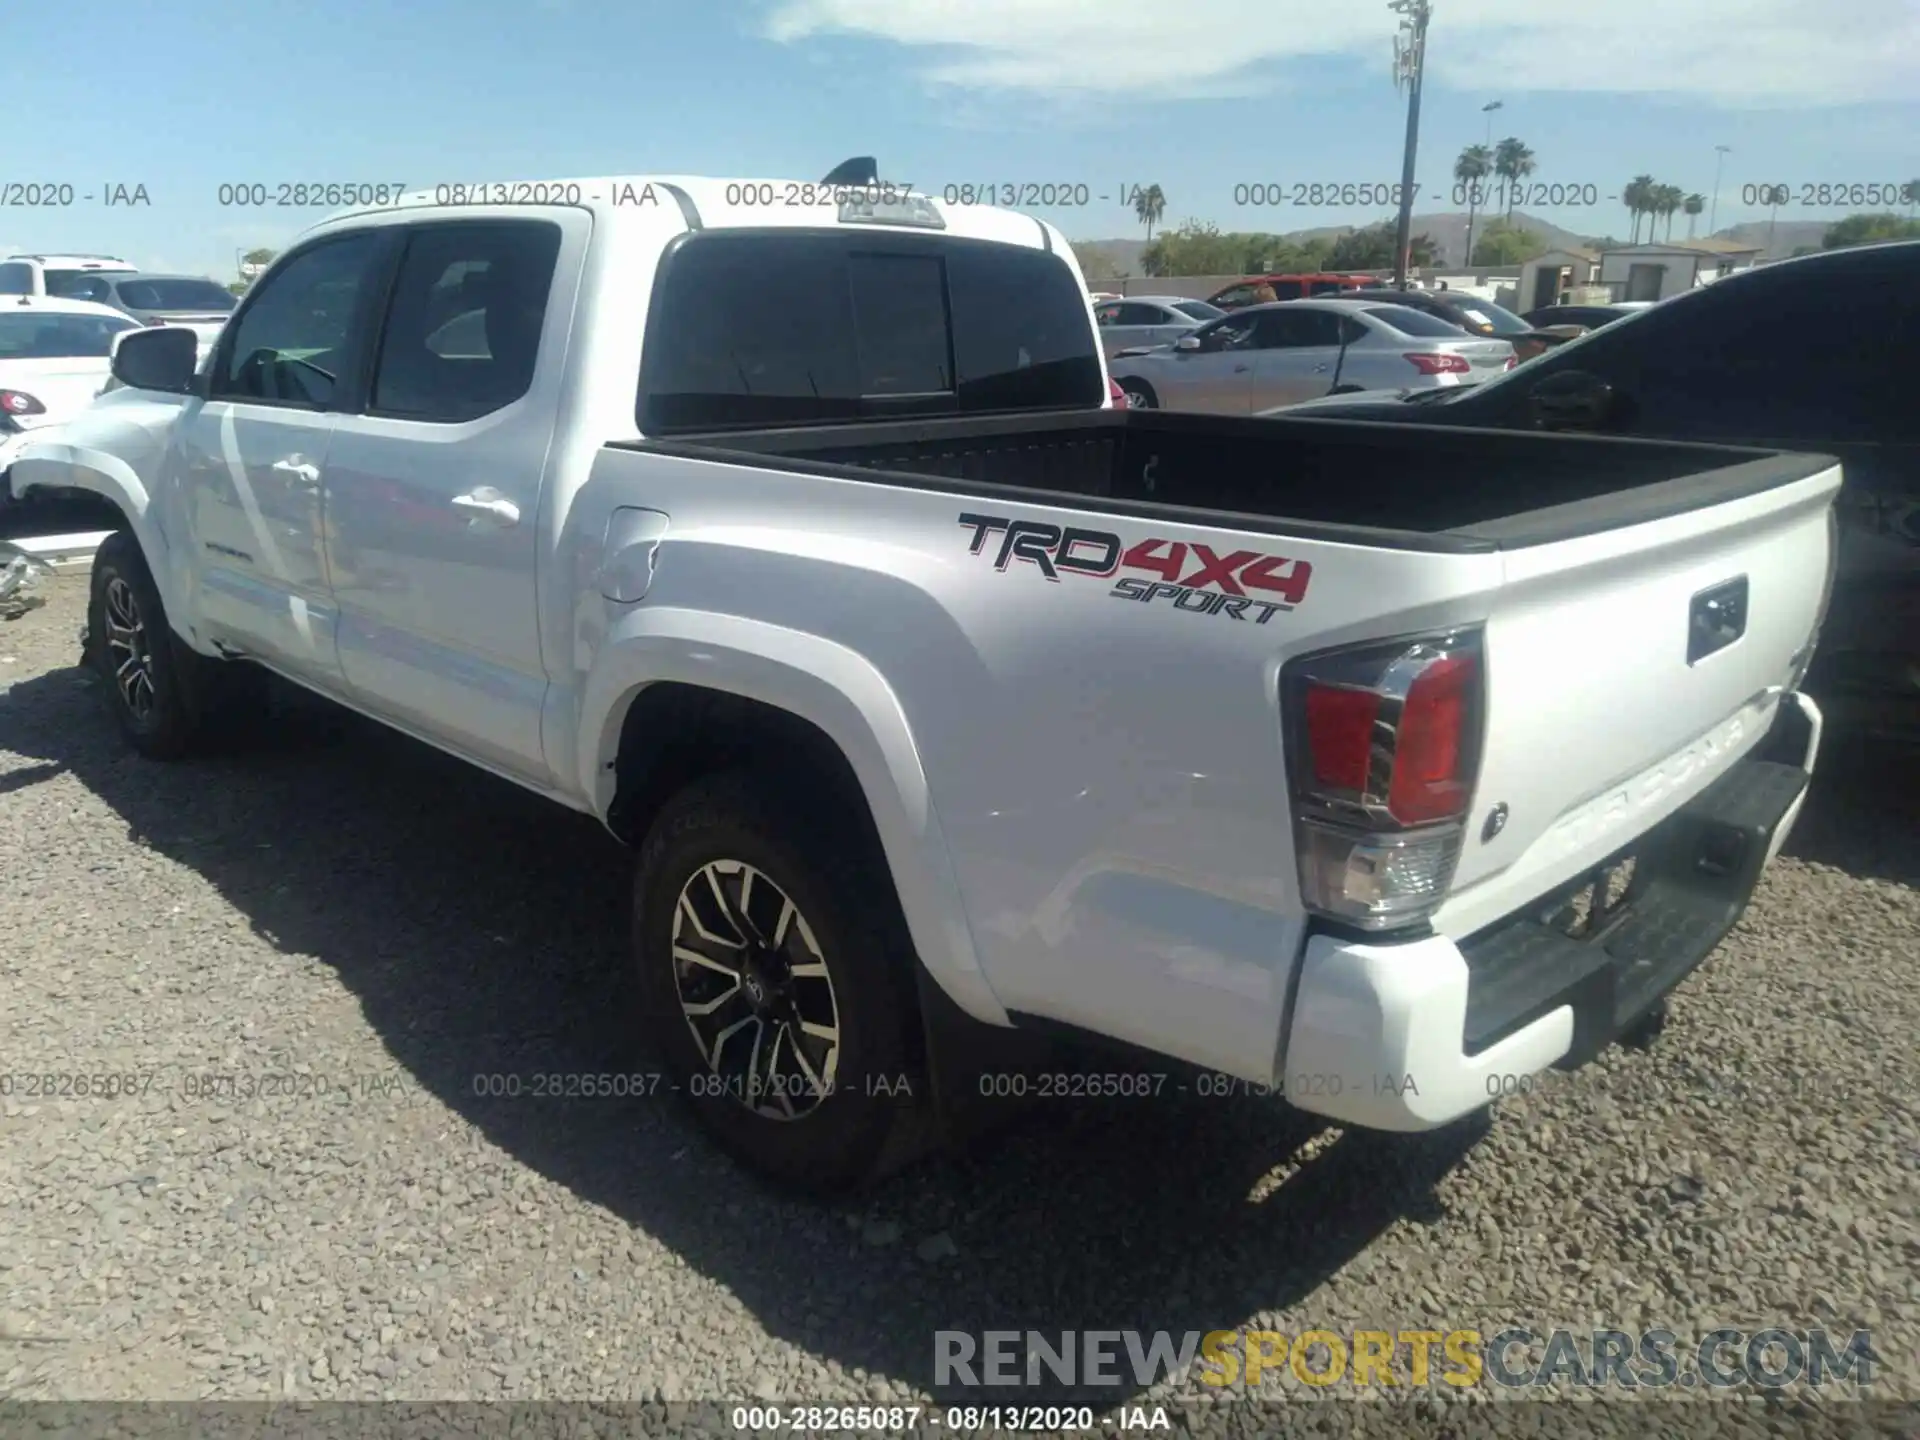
[701,202]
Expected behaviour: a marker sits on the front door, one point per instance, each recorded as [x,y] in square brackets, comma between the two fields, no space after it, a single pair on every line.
[252,457]
[433,494]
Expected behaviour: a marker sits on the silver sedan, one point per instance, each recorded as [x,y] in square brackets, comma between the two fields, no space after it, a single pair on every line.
[1131,321]
[1298,350]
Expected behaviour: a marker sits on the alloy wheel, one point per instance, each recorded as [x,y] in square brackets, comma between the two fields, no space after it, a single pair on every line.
[755,991]
[129,650]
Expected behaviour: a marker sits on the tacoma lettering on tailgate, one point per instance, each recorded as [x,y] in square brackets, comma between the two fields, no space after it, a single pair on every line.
[1243,584]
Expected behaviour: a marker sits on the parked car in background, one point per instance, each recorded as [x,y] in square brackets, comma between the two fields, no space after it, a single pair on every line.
[54,358]
[1815,354]
[1265,289]
[1298,350]
[1476,317]
[1138,320]
[193,301]
[1116,395]
[51,274]
[1591,317]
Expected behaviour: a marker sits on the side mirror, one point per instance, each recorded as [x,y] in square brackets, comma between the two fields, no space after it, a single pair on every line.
[1187,342]
[1572,400]
[162,357]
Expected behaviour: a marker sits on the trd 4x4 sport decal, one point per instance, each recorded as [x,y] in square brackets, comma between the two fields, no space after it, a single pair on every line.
[1244,584]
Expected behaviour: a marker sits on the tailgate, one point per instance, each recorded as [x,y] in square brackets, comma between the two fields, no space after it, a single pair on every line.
[1627,668]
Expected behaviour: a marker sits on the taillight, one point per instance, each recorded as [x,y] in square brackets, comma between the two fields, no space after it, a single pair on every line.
[1512,360]
[1119,396]
[1383,746]
[1440,364]
[18,402]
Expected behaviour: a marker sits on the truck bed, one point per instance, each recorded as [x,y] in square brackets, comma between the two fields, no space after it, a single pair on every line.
[1439,488]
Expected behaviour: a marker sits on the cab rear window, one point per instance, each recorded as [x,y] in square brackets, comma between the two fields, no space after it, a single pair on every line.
[801,328]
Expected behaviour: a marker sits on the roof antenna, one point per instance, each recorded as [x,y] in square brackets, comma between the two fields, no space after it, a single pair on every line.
[860,170]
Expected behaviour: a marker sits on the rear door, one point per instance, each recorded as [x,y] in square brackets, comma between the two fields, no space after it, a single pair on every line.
[1298,356]
[1127,323]
[433,493]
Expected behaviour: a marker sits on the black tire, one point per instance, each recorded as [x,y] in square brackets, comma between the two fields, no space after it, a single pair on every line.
[168,700]
[827,864]
[1140,395]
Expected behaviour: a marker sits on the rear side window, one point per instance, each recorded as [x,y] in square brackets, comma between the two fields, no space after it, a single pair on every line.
[16,278]
[1288,289]
[185,294]
[1803,354]
[463,327]
[860,325]
[1409,321]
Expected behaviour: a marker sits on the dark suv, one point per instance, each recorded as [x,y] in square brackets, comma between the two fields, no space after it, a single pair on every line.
[1818,354]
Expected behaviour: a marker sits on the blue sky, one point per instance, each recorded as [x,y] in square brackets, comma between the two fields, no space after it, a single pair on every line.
[1199,96]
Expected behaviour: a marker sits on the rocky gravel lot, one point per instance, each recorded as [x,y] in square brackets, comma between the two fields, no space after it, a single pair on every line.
[349,909]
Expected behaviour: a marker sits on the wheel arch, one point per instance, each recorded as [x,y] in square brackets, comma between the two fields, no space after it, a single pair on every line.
[675,694]
[54,466]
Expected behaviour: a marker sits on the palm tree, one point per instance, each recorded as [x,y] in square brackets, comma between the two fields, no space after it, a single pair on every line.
[1693,205]
[1148,206]
[1512,162]
[1639,196]
[1671,198]
[1473,166]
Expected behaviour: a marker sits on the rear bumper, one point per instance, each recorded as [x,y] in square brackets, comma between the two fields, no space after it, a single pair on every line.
[1410,1035]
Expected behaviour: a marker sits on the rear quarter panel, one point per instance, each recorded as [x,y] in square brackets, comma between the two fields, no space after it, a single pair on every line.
[1081,794]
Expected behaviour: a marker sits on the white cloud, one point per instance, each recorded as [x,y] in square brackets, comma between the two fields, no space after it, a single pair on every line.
[1726,52]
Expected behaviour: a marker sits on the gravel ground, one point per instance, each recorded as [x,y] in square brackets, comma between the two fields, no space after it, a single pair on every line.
[350,909]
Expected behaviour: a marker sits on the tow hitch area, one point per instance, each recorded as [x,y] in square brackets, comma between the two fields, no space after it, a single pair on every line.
[1615,941]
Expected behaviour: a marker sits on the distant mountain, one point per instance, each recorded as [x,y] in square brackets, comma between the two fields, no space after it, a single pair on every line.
[1449,232]
[1788,235]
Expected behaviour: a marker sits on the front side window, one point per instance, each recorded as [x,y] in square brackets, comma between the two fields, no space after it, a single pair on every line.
[41,335]
[860,325]
[463,327]
[290,343]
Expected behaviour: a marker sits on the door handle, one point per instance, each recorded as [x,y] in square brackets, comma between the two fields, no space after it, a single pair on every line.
[1241,369]
[488,504]
[302,473]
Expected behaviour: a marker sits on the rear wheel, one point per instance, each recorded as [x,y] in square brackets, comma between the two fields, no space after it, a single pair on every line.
[1140,395]
[774,975]
[167,699]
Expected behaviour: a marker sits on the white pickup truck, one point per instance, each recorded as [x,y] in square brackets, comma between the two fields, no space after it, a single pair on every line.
[775,527]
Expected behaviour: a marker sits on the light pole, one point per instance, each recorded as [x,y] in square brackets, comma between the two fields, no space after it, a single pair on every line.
[1409,66]
[1487,110]
[1713,217]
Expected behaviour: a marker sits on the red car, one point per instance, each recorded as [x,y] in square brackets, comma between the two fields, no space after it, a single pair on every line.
[1119,395]
[1297,285]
